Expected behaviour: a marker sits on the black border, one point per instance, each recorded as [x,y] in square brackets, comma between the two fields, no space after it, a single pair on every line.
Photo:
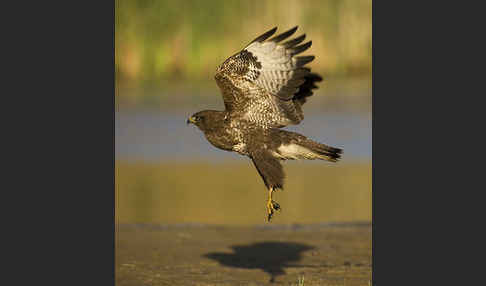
[60,154]
[417,103]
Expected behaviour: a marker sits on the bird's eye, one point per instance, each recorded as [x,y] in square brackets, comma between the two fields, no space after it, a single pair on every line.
[198,118]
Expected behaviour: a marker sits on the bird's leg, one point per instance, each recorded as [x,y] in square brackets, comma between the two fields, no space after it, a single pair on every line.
[272,205]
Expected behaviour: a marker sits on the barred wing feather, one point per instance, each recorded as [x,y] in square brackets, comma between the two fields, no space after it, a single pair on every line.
[261,82]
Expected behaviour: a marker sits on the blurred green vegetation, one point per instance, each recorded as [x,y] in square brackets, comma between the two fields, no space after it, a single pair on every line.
[165,42]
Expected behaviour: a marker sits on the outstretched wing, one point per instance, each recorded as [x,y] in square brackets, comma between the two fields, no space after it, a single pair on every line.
[267,82]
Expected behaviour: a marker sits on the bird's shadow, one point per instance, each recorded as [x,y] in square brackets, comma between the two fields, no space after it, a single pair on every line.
[268,256]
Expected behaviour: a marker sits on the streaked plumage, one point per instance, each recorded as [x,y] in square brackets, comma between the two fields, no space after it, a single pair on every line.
[264,87]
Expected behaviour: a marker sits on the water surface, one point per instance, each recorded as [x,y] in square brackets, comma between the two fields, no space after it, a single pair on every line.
[154,135]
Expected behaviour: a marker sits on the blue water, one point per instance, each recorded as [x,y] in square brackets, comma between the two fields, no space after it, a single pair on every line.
[157,136]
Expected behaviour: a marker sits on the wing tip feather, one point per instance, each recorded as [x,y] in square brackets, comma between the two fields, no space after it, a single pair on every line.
[284,35]
[265,35]
[299,49]
[293,42]
[303,60]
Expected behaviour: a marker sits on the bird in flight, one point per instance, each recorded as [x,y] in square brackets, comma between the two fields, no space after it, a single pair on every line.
[264,87]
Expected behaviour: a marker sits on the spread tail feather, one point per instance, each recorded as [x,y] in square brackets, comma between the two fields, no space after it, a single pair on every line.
[296,146]
[326,152]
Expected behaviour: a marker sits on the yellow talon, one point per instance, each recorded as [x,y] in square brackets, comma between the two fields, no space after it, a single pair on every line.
[272,205]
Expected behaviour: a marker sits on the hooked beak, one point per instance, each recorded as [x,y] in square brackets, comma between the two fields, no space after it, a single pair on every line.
[191,120]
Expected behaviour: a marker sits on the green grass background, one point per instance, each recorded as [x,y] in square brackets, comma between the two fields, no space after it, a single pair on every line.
[164,42]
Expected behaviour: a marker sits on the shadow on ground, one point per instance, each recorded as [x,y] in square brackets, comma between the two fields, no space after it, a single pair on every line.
[269,256]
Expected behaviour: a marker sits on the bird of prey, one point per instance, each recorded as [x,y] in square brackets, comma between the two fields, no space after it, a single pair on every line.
[264,87]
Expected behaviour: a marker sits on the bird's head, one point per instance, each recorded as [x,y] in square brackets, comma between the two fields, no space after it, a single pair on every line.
[206,119]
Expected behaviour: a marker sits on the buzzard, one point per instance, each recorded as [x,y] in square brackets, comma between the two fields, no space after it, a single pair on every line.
[264,87]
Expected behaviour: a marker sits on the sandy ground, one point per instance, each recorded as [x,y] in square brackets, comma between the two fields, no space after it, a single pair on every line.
[270,254]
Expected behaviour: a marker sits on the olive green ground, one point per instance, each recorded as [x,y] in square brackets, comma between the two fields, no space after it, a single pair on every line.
[234,194]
